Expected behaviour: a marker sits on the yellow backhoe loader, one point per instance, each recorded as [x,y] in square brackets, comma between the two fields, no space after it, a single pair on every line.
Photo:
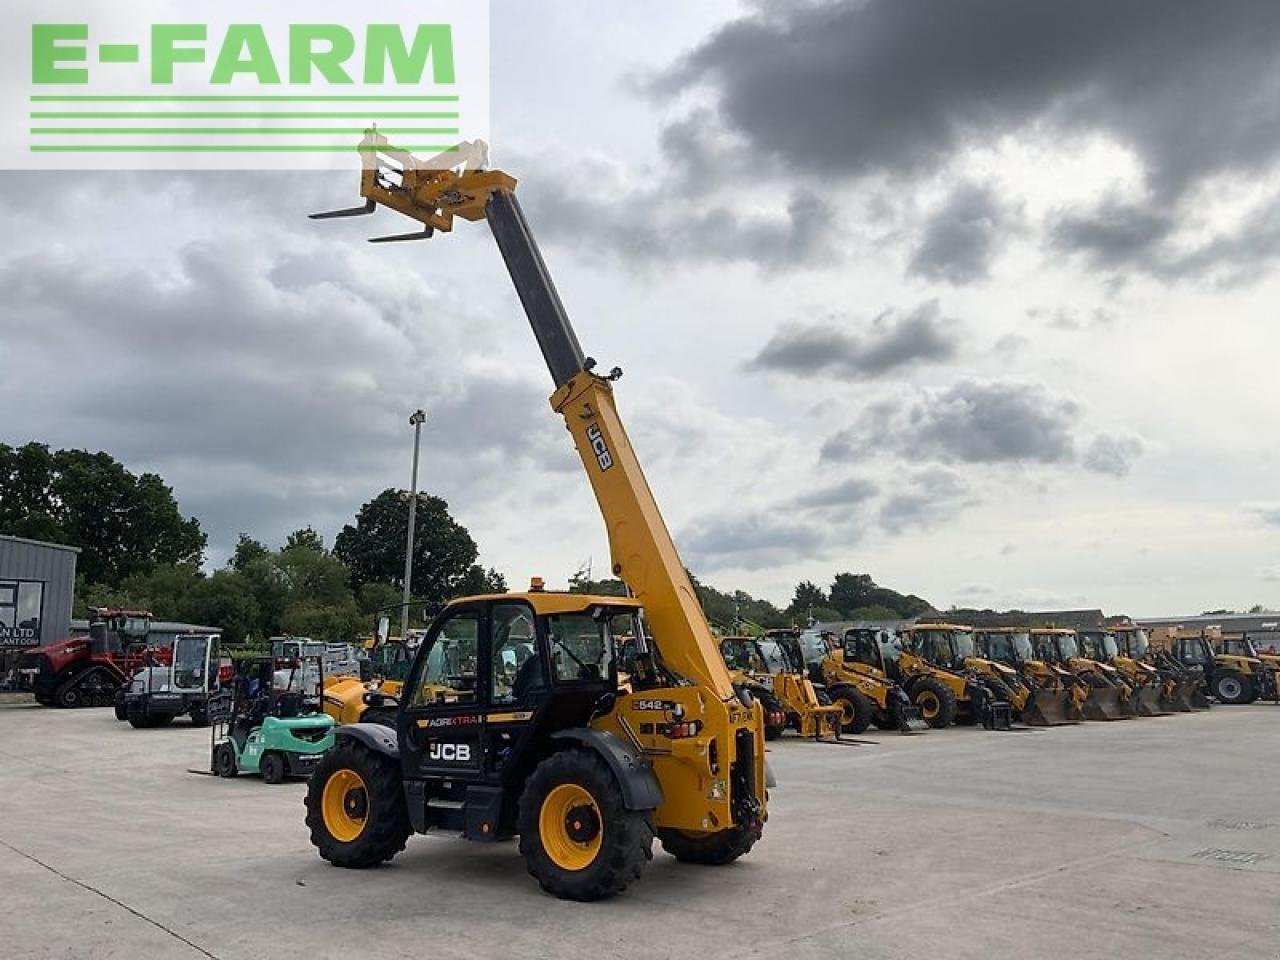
[1233,673]
[1179,684]
[1146,686]
[1264,673]
[1106,695]
[864,700]
[1054,700]
[513,721]
[769,671]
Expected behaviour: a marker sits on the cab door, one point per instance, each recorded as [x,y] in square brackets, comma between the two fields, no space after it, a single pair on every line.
[441,717]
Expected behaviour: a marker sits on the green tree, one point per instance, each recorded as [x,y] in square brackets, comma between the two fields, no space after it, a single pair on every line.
[247,550]
[808,595]
[307,539]
[123,524]
[444,554]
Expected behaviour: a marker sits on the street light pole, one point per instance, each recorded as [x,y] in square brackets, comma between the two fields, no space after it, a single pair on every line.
[415,421]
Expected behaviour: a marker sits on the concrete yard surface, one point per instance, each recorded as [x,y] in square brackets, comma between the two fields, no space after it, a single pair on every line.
[1149,838]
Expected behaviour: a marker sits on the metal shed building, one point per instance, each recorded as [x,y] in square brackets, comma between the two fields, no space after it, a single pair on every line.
[37,585]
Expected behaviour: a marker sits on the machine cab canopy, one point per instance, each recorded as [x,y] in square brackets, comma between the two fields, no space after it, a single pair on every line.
[1098,645]
[944,644]
[1007,646]
[1055,645]
[1132,642]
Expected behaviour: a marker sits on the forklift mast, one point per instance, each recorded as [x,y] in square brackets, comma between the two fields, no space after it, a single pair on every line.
[643,553]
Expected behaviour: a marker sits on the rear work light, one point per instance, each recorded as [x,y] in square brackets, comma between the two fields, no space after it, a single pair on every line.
[681,731]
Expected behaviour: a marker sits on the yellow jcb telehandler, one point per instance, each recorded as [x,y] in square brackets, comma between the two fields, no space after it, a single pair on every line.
[768,670]
[1054,700]
[554,748]
[1105,694]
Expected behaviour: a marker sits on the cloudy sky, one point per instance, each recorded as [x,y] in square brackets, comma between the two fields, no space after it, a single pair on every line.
[977,297]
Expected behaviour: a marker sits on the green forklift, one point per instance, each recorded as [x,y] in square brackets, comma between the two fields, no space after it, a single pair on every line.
[270,723]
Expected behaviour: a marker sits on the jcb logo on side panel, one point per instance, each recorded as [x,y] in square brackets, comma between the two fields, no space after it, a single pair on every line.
[450,752]
[599,447]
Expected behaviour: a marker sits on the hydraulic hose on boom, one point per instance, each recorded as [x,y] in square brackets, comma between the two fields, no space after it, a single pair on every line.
[643,552]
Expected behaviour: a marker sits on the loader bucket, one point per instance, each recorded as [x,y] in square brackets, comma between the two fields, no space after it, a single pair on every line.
[1198,699]
[1050,708]
[1104,703]
[1175,696]
[1147,701]
[910,719]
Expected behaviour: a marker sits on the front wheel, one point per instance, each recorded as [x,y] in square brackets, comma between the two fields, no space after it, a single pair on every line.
[355,806]
[937,702]
[578,839]
[224,761]
[856,709]
[709,849]
[122,711]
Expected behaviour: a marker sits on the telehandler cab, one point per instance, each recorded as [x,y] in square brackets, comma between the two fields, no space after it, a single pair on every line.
[772,673]
[1101,693]
[1231,678]
[1055,692]
[582,769]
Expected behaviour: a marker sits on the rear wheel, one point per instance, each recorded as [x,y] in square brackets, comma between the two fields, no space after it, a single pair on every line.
[272,767]
[937,702]
[1232,687]
[856,709]
[138,717]
[578,839]
[709,849]
[122,712]
[355,806]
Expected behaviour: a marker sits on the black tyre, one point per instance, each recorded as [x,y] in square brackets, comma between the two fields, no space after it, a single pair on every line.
[224,761]
[138,717]
[272,767]
[122,712]
[578,839]
[200,715]
[70,697]
[383,715]
[937,702]
[355,806]
[856,708]
[709,849]
[1232,687]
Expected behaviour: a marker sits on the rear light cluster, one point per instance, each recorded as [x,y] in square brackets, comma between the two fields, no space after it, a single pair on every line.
[775,718]
[680,731]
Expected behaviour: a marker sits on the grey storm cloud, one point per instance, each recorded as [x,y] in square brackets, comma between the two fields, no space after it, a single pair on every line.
[887,87]
[924,499]
[750,540]
[963,236]
[1113,455]
[847,493]
[887,343]
[646,225]
[266,372]
[972,421]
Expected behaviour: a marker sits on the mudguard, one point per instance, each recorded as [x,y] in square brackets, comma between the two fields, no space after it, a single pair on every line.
[639,784]
[381,739]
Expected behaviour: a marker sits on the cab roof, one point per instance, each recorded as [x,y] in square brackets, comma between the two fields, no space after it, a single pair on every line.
[932,625]
[1057,631]
[546,601]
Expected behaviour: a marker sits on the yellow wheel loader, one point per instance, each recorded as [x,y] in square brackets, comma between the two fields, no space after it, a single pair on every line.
[1102,692]
[955,646]
[515,720]
[940,694]
[1053,700]
[951,647]
[864,700]
[769,671]
[1146,686]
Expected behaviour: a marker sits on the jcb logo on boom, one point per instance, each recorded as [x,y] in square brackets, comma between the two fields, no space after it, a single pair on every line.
[450,752]
[599,447]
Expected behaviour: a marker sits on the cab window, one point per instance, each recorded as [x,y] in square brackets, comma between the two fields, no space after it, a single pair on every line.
[516,666]
[449,674]
[581,647]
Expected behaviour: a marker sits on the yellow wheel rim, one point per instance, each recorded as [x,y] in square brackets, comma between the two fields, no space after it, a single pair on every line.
[345,805]
[570,826]
[929,706]
[847,715]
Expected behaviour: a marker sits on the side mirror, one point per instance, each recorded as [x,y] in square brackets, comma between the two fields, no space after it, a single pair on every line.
[384,629]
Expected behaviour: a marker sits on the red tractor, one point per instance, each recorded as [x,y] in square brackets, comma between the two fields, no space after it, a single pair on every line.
[86,671]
